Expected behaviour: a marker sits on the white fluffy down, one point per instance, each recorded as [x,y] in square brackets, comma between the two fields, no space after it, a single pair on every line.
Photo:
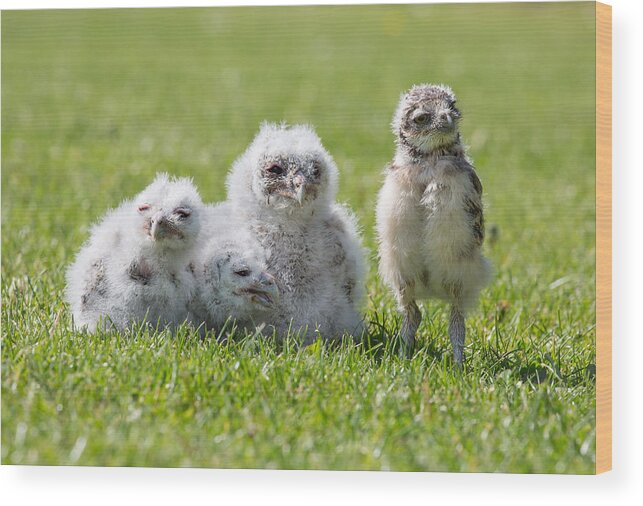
[314,251]
[226,247]
[423,228]
[301,270]
[122,276]
[278,140]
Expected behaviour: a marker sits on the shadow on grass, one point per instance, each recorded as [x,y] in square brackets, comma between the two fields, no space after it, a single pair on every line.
[502,355]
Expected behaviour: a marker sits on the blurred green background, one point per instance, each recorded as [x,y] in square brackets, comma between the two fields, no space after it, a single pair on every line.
[95,102]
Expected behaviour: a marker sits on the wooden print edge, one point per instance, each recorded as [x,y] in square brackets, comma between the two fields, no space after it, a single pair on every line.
[603,237]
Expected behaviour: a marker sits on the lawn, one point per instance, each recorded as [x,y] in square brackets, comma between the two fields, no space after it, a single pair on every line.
[95,102]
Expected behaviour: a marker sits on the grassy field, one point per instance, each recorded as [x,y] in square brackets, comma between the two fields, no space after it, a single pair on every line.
[95,102]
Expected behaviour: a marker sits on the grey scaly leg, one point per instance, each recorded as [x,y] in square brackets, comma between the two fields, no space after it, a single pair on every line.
[412,319]
[457,333]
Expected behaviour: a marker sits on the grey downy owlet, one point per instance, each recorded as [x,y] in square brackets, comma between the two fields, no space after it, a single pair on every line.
[232,283]
[430,222]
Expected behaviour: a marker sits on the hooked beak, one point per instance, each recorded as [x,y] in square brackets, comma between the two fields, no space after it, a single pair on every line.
[446,121]
[299,187]
[158,227]
[264,290]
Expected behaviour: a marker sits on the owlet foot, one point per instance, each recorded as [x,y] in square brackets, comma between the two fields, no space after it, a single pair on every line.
[456,334]
[410,324]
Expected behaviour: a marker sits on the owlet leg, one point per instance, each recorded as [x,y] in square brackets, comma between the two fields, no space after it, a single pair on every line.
[457,333]
[412,319]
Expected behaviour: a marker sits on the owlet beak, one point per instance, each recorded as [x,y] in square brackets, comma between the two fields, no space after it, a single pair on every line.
[299,187]
[300,193]
[158,228]
[446,121]
[264,290]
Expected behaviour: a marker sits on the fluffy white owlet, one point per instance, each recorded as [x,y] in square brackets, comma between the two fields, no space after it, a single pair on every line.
[283,190]
[135,265]
[232,284]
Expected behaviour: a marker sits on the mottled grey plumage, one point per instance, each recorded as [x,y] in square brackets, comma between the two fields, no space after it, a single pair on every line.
[430,219]
[134,267]
[283,188]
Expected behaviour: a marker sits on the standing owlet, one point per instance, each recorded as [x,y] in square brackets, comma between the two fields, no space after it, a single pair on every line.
[283,189]
[430,221]
[135,265]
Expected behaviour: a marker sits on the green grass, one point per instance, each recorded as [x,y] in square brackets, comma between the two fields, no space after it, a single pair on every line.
[95,102]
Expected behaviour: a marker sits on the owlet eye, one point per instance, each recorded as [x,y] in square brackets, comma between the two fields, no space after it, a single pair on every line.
[143,207]
[242,272]
[182,212]
[421,119]
[276,169]
[316,169]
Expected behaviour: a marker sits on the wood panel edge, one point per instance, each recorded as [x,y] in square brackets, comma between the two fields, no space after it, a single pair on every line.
[603,237]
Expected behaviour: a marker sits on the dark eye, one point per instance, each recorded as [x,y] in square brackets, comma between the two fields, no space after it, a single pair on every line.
[143,207]
[276,169]
[316,170]
[182,212]
[421,119]
[242,272]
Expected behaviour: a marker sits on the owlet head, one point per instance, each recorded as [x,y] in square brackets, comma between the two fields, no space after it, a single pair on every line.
[427,118]
[284,168]
[235,278]
[169,212]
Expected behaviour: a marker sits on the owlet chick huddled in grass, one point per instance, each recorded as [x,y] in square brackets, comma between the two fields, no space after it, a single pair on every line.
[135,265]
[232,284]
[283,189]
[430,221]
